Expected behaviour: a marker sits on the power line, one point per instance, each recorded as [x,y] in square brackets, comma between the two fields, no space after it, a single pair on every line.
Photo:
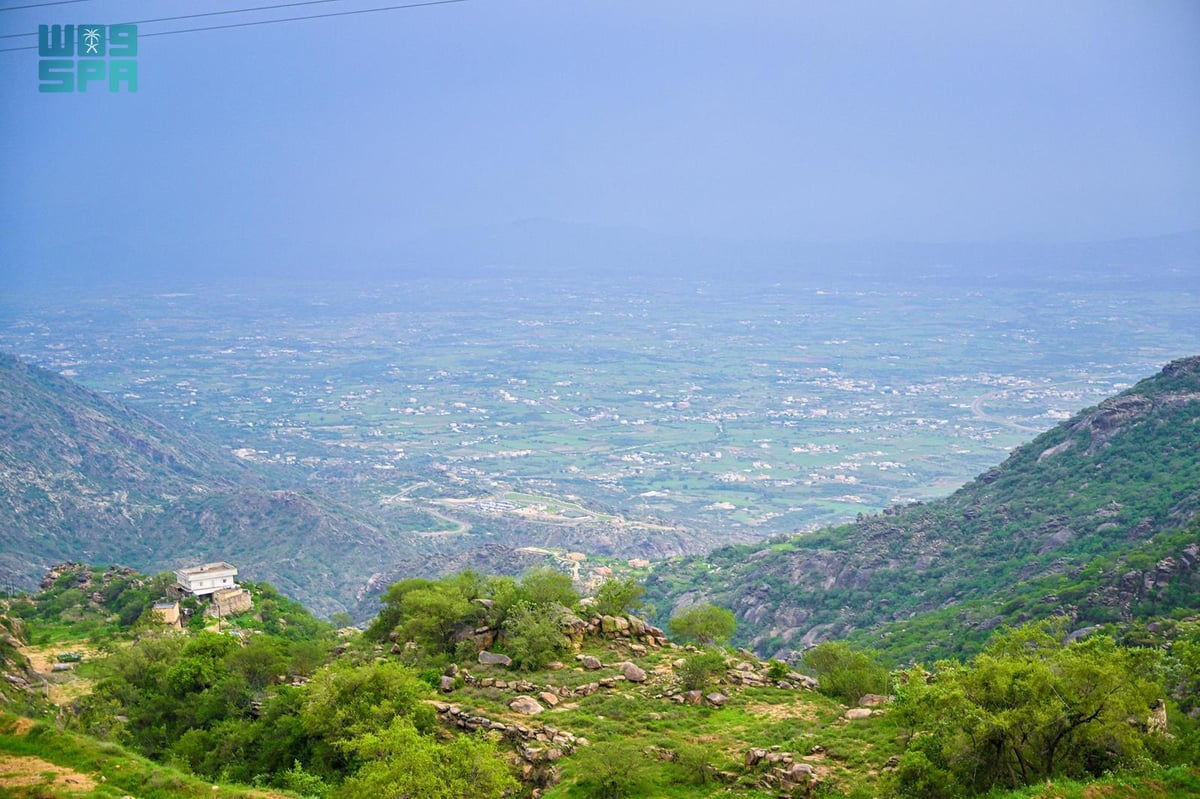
[39,5]
[275,21]
[196,16]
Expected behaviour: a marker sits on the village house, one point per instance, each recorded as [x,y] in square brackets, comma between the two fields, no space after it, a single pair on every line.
[207,578]
[167,612]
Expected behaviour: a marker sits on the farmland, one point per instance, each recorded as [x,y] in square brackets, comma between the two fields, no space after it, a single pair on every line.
[717,410]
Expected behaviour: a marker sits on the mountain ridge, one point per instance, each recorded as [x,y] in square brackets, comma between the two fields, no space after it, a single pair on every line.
[84,477]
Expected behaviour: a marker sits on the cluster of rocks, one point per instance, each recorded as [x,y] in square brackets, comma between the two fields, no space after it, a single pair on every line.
[751,675]
[783,772]
[630,630]
[83,578]
[547,694]
[537,747]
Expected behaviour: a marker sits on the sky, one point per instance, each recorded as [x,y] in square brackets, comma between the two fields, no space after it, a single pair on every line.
[751,120]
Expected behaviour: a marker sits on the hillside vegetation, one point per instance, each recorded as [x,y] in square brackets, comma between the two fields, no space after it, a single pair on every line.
[1093,520]
[474,687]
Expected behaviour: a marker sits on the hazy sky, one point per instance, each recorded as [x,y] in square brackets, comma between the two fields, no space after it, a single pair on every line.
[823,121]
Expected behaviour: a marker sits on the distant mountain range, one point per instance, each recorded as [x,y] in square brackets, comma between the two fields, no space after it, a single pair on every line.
[1096,520]
[85,478]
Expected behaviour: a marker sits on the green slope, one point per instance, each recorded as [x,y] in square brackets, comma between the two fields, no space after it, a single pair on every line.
[84,478]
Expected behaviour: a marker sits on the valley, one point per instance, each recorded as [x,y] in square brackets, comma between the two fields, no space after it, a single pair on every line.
[721,412]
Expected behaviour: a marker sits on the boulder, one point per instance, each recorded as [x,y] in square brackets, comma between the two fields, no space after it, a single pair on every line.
[633,672]
[590,662]
[716,699]
[494,659]
[526,705]
[446,684]
[873,700]
[858,713]
[549,698]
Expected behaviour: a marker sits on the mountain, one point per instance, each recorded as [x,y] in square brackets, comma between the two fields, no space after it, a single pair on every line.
[1102,508]
[83,477]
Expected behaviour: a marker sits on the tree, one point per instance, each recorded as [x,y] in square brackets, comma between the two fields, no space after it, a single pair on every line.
[844,672]
[612,770]
[344,701]
[618,596]
[704,623]
[533,636]
[549,587]
[399,761]
[1028,709]
[433,616]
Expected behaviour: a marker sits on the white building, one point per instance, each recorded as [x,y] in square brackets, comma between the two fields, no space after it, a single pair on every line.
[207,578]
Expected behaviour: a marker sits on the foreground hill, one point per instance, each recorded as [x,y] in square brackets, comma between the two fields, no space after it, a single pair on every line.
[83,477]
[449,697]
[1104,504]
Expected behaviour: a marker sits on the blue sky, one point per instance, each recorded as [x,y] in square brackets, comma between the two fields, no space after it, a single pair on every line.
[813,121]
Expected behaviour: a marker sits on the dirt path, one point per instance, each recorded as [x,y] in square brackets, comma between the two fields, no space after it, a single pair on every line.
[25,770]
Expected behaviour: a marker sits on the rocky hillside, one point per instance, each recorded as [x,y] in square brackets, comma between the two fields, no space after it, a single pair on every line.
[1095,504]
[82,477]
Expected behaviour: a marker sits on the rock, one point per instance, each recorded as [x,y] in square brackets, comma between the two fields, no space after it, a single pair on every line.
[451,670]
[693,697]
[525,705]
[873,700]
[590,662]
[753,756]
[446,684]
[549,698]
[494,659]
[716,699]
[555,665]
[800,771]
[1157,723]
[858,713]
[633,672]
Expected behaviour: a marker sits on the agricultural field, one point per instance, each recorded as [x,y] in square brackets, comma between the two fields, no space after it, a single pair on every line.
[722,411]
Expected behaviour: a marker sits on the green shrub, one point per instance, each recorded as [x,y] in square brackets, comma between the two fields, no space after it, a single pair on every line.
[700,669]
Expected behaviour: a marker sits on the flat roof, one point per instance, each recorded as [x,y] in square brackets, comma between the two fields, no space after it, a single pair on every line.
[219,565]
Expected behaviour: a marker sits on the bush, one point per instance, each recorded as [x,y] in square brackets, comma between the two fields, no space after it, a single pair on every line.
[533,636]
[617,597]
[846,673]
[704,623]
[700,669]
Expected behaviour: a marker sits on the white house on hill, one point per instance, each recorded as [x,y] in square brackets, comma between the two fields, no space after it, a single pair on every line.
[207,578]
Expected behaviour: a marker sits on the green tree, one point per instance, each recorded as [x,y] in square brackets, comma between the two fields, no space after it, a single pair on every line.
[704,623]
[533,635]
[612,770]
[433,616]
[1029,708]
[549,587]
[844,672]
[618,596]
[345,701]
[399,761]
